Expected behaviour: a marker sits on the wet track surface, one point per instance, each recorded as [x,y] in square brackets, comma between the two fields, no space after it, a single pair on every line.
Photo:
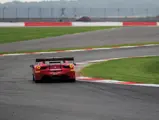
[21,99]
[122,35]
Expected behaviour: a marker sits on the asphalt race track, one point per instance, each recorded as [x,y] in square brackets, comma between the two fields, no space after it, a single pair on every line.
[123,35]
[21,99]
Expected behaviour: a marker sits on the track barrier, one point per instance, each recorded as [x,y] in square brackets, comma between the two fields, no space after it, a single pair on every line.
[75,24]
[48,24]
[139,23]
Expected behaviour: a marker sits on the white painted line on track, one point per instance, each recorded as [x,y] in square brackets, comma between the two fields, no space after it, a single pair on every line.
[76,50]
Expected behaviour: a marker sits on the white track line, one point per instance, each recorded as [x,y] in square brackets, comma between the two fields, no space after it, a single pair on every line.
[77,50]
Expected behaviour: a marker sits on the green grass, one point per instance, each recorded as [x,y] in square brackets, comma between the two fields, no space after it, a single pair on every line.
[14,34]
[143,70]
[75,48]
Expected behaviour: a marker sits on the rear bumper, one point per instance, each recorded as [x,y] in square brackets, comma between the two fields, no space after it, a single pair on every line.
[56,77]
[68,75]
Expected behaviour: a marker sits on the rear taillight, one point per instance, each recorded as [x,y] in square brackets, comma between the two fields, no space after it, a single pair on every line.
[37,67]
[69,66]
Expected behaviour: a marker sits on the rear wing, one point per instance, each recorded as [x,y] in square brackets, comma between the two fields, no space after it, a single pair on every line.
[55,59]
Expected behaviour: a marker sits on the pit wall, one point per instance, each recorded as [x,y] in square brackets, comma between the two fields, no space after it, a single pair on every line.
[75,24]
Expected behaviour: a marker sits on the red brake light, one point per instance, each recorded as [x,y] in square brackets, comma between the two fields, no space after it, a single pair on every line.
[70,66]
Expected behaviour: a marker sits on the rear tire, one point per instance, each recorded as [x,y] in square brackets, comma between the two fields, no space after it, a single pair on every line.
[72,80]
[33,78]
[36,81]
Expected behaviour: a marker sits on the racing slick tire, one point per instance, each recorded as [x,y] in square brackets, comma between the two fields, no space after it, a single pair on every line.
[33,78]
[72,80]
[36,81]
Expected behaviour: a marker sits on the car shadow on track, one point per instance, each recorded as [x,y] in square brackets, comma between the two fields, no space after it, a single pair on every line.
[53,81]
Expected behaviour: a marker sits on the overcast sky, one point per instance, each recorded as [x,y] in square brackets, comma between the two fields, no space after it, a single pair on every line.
[139,7]
[91,3]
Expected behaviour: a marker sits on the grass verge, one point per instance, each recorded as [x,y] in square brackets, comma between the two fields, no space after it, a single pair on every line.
[143,70]
[60,49]
[14,34]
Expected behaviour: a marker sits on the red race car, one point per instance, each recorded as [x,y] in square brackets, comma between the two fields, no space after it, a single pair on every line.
[56,68]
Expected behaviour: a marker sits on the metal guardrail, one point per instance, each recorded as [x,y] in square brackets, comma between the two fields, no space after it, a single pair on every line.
[72,19]
[69,14]
[6,12]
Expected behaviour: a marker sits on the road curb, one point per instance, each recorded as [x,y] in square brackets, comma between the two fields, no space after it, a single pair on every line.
[110,81]
[78,50]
